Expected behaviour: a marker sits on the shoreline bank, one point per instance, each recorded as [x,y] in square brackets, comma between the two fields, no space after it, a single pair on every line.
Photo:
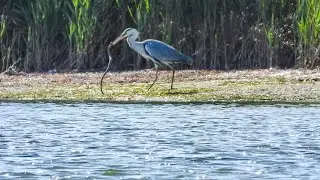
[196,86]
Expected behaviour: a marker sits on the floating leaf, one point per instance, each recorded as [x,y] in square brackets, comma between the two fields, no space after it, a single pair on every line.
[110,172]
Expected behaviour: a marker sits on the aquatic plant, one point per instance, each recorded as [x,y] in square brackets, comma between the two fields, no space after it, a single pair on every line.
[56,34]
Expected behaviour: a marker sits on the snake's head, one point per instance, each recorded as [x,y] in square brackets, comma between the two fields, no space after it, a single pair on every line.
[125,34]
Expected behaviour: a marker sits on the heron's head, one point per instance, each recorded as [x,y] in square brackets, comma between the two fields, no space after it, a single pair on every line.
[129,32]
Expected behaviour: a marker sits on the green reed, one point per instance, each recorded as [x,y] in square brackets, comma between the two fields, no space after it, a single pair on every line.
[80,29]
[2,51]
[308,23]
[218,34]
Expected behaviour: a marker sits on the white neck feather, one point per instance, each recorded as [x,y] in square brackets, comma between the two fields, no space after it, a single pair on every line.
[137,46]
[132,41]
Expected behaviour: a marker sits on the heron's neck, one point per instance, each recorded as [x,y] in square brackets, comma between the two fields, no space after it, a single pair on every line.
[137,46]
[132,41]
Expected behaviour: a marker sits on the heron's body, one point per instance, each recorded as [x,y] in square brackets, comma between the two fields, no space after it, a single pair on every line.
[160,53]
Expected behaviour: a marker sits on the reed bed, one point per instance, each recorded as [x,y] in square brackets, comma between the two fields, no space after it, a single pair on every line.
[68,35]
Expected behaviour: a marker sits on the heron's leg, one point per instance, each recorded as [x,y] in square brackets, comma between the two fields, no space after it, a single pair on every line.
[156,67]
[172,79]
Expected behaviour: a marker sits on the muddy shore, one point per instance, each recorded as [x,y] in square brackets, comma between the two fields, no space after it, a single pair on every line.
[287,86]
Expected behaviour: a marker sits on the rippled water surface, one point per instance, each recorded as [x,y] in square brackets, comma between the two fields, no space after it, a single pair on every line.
[168,141]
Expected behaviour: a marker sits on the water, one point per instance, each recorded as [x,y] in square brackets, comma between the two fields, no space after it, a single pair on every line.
[168,141]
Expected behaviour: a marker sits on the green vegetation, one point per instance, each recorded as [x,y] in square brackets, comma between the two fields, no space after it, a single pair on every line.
[309,32]
[40,35]
[110,172]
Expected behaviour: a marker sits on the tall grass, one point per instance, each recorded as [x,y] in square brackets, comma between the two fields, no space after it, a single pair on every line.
[2,47]
[40,35]
[33,35]
[308,22]
[80,31]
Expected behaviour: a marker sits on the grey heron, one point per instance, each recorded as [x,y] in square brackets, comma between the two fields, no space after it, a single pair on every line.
[160,53]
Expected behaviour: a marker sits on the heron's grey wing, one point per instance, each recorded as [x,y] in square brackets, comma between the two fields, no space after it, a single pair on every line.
[165,53]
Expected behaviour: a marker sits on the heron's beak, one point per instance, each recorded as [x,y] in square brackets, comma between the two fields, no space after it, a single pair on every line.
[120,38]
